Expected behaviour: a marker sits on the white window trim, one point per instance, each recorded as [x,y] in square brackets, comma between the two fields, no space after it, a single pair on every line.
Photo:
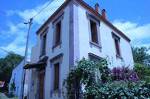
[45,32]
[53,61]
[118,38]
[97,21]
[54,23]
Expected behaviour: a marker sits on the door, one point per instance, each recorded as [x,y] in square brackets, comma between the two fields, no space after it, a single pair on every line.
[41,84]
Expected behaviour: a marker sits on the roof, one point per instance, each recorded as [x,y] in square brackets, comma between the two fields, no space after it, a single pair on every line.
[89,8]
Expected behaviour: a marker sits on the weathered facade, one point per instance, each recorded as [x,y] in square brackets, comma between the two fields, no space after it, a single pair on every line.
[16,78]
[74,31]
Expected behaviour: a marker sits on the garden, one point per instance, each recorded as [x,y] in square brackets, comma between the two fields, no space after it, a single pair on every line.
[94,80]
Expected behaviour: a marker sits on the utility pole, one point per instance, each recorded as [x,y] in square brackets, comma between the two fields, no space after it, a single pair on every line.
[25,59]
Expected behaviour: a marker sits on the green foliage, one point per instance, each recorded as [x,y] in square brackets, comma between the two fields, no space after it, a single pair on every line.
[102,65]
[141,55]
[83,74]
[92,80]
[7,64]
[143,72]
[13,87]
[124,90]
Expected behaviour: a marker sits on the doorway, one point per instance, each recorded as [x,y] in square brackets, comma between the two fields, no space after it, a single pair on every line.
[41,84]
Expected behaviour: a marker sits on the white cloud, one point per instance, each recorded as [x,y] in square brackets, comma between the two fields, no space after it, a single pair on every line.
[19,30]
[43,16]
[136,32]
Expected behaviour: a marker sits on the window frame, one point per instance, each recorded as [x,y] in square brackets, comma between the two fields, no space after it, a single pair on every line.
[42,44]
[53,61]
[56,43]
[94,32]
[95,57]
[56,87]
[54,23]
[116,40]
[93,18]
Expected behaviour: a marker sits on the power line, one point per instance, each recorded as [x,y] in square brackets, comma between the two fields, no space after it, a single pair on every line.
[6,51]
[42,9]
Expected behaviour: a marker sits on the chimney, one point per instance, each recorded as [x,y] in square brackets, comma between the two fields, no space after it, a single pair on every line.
[104,13]
[97,7]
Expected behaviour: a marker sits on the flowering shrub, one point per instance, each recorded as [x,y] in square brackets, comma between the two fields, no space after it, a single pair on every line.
[119,83]
[124,73]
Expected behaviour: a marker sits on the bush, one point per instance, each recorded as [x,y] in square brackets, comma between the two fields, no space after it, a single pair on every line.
[84,74]
[124,73]
[92,80]
[124,90]
[143,72]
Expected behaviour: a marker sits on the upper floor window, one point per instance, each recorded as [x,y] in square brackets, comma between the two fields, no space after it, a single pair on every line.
[94,24]
[43,43]
[94,32]
[117,44]
[57,26]
[58,33]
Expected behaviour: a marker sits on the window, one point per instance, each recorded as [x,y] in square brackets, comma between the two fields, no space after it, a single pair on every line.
[43,44]
[58,34]
[117,44]
[94,34]
[55,64]
[56,77]
[94,57]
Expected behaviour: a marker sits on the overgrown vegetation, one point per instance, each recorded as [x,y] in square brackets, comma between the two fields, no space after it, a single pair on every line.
[94,80]
[143,72]
[7,64]
[142,62]
[141,55]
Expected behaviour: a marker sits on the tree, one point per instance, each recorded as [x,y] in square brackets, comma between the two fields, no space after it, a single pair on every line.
[7,64]
[140,55]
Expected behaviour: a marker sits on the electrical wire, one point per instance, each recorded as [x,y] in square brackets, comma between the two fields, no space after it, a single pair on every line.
[6,51]
[43,8]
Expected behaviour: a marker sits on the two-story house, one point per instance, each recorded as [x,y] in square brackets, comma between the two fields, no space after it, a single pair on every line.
[75,30]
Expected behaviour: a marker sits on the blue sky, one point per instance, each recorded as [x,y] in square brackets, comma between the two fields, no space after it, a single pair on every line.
[130,16]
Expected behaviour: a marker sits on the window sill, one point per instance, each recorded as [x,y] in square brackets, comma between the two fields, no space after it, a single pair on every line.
[56,45]
[95,44]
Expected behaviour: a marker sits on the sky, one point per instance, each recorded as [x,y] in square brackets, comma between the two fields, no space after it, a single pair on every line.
[130,16]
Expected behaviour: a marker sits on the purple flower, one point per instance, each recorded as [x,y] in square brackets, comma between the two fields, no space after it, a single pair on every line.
[124,73]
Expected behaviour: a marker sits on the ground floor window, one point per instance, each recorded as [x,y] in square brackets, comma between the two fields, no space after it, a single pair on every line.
[56,63]
[94,57]
[56,76]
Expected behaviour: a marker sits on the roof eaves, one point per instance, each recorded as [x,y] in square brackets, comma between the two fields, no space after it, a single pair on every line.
[85,5]
[53,15]
[82,3]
